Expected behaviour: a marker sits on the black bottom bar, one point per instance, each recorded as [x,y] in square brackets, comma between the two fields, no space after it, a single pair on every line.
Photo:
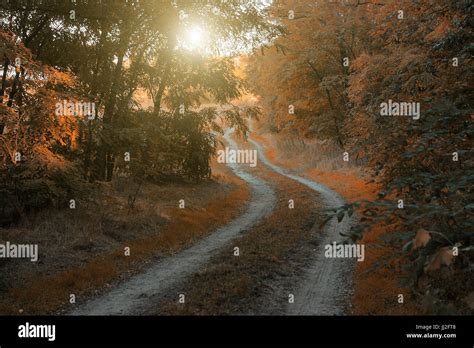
[224,330]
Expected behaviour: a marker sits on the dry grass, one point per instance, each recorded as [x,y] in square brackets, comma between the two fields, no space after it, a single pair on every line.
[84,250]
[305,154]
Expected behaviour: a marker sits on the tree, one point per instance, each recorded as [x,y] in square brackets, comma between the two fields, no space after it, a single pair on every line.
[33,137]
[408,52]
[136,48]
[309,69]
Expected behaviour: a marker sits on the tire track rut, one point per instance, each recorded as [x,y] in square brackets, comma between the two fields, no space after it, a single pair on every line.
[326,285]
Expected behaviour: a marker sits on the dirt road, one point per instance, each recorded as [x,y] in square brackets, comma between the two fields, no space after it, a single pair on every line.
[324,288]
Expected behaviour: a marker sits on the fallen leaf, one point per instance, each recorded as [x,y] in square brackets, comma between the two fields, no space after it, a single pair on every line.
[421,239]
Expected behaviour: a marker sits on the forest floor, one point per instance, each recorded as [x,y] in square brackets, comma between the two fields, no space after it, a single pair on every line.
[83,250]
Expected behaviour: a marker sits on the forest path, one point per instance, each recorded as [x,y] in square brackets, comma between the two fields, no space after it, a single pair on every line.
[326,285]
[131,297]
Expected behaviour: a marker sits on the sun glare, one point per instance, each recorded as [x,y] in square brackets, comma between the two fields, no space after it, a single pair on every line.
[195,38]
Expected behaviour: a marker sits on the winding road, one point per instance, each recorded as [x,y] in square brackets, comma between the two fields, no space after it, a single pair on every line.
[327,285]
[324,288]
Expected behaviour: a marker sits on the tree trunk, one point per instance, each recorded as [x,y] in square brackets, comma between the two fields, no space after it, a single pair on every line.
[106,156]
[161,90]
[6,63]
[14,88]
[335,119]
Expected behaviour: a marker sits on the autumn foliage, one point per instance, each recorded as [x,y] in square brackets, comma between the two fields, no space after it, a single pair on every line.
[337,64]
[158,106]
